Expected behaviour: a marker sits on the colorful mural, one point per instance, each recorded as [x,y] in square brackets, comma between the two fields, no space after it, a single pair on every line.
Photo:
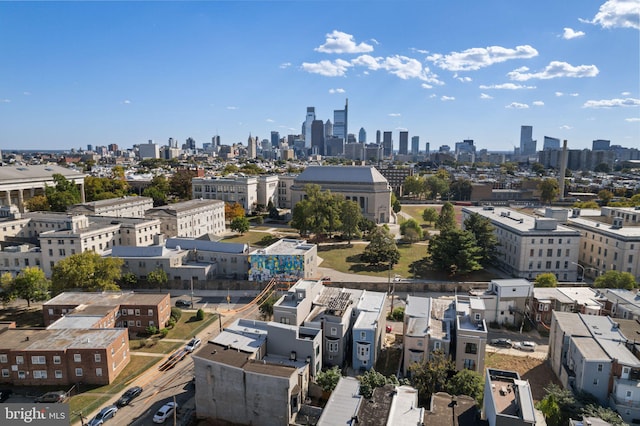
[286,267]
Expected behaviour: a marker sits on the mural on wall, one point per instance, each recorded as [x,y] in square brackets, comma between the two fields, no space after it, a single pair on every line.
[286,267]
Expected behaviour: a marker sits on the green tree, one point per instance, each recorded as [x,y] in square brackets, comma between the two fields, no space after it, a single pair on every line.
[414,185]
[31,285]
[229,168]
[436,186]
[547,279]
[64,194]
[129,280]
[38,203]
[466,382]
[447,217]
[602,168]
[371,380]
[382,248]
[395,203]
[318,213]
[548,190]
[461,189]
[180,184]
[603,413]
[616,279]
[87,271]
[158,190]
[455,252]
[7,292]
[328,379]
[537,168]
[484,233]
[430,215]
[158,277]
[431,376]
[240,224]
[266,305]
[605,196]
[550,408]
[350,217]
[104,188]
[411,230]
[367,226]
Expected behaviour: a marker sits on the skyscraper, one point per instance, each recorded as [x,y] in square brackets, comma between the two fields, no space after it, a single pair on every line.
[387,144]
[252,147]
[362,135]
[378,137]
[190,143]
[415,145]
[427,148]
[550,143]
[214,140]
[275,138]
[328,129]
[404,143]
[311,115]
[527,144]
[600,145]
[317,137]
[340,121]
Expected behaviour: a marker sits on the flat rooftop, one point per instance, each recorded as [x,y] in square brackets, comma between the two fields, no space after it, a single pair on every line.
[511,396]
[285,246]
[73,298]
[58,339]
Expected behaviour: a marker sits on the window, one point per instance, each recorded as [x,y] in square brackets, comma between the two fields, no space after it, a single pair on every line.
[150,312]
[39,359]
[77,358]
[470,364]
[5,372]
[56,359]
[138,323]
[629,394]
[549,252]
[531,252]
[22,375]
[137,312]
[19,359]
[548,264]
[78,372]
[470,348]
[97,357]
[599,367]
[39,374]
[332,347]
[99,372]
[334,331]
[58,374]
[363,335]
[3,358]
[595,381]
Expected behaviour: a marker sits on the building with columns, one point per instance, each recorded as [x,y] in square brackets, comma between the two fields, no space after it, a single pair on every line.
[20,183]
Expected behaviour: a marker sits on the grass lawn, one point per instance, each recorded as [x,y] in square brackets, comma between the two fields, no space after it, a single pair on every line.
[188,326]
[153,345]
[415,211]
[23,316]
[250,237]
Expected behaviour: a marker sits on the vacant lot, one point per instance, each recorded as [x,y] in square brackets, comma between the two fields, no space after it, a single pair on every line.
[536,371]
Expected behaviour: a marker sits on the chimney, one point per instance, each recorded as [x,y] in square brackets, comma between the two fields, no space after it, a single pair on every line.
[563,169]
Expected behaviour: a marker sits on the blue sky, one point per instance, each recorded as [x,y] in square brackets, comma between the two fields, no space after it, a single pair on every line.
[78,73]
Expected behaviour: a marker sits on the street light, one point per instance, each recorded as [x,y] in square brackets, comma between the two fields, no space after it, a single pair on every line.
[582,267]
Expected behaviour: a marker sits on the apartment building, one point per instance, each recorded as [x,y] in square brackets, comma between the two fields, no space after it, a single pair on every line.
[470,333]
[621,303]
[62,357]
[610,240]
[564,299]
[285,260]
[507,400]
[230,189]
[135,311]
[114,207]
[363,184]
[528,246]
[506,301]
[590,353]
[190,219]
[240,380]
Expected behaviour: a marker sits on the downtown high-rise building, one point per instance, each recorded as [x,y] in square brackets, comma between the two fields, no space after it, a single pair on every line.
[415,145]
[252,147]
[328,129]
[214,140]
[190,143]
[311,115]
[387,144]
[527,144]
[550,143]
[403,148]
[362,135]
[275,138]
[317,137]
[378,137]
[340,121]
[600,145]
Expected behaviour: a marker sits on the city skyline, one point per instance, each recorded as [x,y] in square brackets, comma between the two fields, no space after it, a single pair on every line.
[93,73]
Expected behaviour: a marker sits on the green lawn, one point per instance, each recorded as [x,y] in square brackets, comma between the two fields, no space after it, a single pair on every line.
[153,345]
[188,326]
[23,316]
[414,211]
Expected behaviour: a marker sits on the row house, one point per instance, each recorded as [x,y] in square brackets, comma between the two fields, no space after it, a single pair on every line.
[564,299]
[506,301]
[134,311]
[62,357]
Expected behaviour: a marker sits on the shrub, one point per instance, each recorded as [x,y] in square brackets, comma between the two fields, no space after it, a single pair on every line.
[397,314]
[164,332]
[151,330]
[176,313]
[200,315]
[172,322]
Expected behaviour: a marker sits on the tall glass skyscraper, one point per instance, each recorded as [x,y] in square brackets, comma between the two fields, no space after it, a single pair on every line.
[340,121]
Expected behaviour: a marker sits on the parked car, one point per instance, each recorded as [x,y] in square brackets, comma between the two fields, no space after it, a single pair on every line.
[502,342]
[105,414]
[525,346]
[5,394]
[182,303]
[56,396]
[193,344]
[128,396]
[165,412]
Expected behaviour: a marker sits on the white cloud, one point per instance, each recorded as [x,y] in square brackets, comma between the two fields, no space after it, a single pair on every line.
[394,114]
[480,57]
[625,93]
[612,103]
[285,65]
[632,119]
[537,103]
[464,79]
[485,96]
[400,66]
[5,101]
[401,129]
[126,102]
[426,86]
[232,108]
[558,94]
[570,33]
[339,42]
[447,98]
[431,96]
[618,14]
[338,90]
[575,95]
[566,127]
[269,120]
[517,105]
[424,52]
[327,68]
[555,69]
[374,41]
[506,86]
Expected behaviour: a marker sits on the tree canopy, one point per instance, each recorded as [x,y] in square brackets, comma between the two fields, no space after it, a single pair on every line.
[180,184]
[549,190]
[466,382]
[104,188]
[461,189]
[350,216]
[382,248]
[158,190]
[447,217]
[328,379]
[616,279]
[158,277]
[484,233]
[86,271]
[430,215]
[411,230]
[546,279]
[370,380]
[31,285]
[64,194]
[431,376]
[455,252]
[240,225]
